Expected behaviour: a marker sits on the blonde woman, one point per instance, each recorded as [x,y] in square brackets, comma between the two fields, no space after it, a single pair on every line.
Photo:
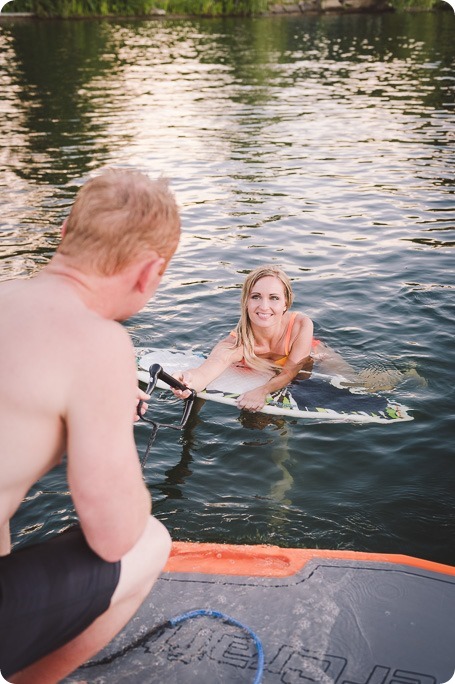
[268,336]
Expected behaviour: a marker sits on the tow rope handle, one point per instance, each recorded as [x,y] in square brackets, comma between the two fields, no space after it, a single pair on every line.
[157,373]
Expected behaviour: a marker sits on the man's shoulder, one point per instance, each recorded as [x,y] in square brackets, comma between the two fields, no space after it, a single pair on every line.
[80,341]
[102,361]
[100,340]
[68,337]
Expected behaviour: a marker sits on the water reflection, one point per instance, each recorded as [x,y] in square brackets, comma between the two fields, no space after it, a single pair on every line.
[324,144]
[278,451]
[59,117]
[252,91]
[176,477]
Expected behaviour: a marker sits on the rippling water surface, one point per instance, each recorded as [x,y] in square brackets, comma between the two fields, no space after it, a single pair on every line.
[324,144]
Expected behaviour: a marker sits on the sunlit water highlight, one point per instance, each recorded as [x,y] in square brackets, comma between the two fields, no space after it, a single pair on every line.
[324,144]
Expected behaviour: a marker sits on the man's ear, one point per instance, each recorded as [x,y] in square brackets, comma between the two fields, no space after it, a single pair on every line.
[63,228]
[150,272]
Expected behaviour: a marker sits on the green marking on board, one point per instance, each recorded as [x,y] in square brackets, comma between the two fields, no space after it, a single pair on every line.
[280,401]
[391,412]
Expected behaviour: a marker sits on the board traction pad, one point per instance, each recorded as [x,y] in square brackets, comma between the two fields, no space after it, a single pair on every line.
[334,621]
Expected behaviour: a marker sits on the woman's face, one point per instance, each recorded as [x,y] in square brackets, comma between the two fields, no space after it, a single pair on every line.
[266,302]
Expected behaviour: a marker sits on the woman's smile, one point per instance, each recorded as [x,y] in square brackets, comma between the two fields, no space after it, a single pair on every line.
[267,300]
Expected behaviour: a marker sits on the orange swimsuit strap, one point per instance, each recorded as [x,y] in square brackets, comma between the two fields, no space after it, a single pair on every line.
[287,340]
[287,348]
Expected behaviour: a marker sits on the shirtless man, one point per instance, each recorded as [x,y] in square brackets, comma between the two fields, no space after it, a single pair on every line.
[62,600]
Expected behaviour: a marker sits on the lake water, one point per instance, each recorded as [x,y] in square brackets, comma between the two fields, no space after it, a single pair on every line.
[321,143]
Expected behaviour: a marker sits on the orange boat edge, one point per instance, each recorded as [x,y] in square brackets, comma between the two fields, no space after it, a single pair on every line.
[274,561]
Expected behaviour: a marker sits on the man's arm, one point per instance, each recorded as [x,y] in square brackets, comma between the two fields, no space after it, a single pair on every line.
[5,540]
[104,475]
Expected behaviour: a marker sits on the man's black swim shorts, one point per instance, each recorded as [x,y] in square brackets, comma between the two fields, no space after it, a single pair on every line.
[49,593]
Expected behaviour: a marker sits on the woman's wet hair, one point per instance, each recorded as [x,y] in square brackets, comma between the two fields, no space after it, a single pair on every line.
[244,331]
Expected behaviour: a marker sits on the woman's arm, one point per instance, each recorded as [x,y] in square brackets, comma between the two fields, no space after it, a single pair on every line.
[221,357]
[299,353]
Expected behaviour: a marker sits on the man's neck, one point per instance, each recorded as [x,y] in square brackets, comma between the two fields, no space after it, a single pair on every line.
[98,293]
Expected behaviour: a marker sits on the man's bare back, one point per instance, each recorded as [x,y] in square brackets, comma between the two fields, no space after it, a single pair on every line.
[53,348]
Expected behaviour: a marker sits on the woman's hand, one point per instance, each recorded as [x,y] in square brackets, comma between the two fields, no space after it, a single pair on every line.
[253,400]
[185,377]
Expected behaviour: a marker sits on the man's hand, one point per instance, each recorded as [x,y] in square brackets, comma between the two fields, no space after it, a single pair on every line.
[141,397]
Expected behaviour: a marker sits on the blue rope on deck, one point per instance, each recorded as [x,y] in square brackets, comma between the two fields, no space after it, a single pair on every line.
[214,613]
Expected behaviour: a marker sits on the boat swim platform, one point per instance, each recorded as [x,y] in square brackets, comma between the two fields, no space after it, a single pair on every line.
[320,617]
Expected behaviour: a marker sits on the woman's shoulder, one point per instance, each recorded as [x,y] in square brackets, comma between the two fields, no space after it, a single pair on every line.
[300,326]
[299,319]
[301,335]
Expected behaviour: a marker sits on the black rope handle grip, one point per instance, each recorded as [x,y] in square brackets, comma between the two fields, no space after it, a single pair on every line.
[156,372]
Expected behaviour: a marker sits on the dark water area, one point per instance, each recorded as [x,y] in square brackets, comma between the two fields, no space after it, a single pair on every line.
[324,144]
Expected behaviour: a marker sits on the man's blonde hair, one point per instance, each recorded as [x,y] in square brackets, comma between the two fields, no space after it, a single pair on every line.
[116,217]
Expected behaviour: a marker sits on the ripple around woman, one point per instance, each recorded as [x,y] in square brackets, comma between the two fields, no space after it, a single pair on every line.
[268,337]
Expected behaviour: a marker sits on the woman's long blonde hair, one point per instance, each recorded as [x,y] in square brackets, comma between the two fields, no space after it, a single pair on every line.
[244,331]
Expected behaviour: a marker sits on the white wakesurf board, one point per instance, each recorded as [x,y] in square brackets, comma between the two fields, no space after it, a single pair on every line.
[321,397]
